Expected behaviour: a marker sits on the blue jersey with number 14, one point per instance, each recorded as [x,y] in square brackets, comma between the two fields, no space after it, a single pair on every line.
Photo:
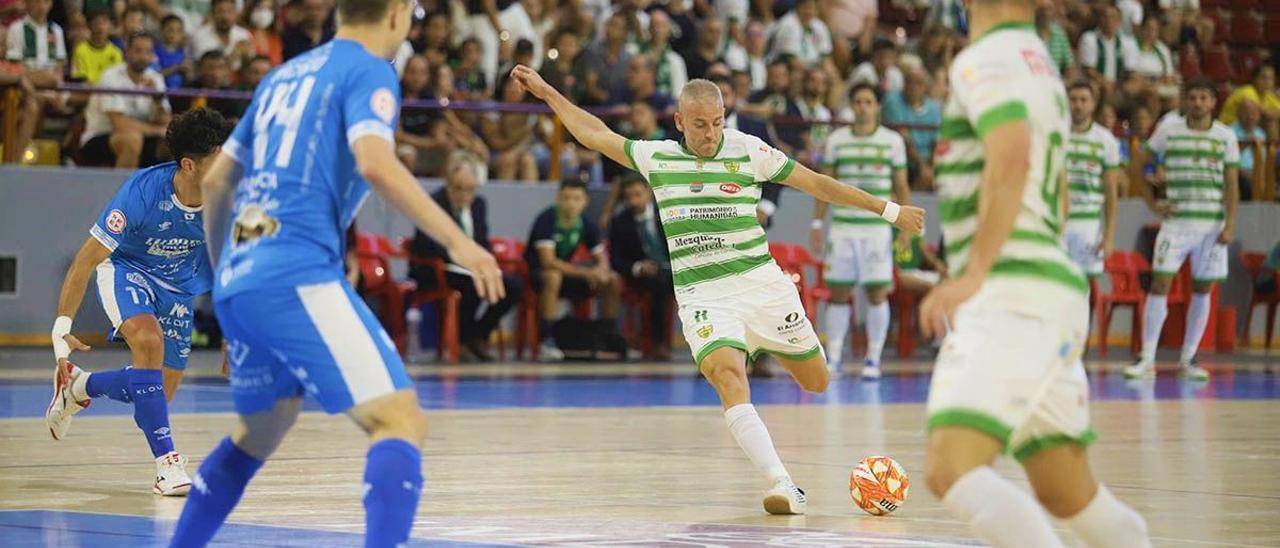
[300,189]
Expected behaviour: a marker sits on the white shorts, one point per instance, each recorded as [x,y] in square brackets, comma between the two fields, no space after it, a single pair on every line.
[1083,239]
[1208,257]
[769,319]
[865,260]
[1018,378]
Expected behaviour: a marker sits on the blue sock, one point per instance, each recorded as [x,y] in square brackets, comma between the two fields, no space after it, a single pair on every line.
[215,491]
[150,410]
[393,485]
[113,384]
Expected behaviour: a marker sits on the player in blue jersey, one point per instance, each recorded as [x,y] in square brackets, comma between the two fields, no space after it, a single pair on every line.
[148,250]
[319,132]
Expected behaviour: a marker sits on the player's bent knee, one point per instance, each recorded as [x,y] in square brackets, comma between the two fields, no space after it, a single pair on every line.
[127,141]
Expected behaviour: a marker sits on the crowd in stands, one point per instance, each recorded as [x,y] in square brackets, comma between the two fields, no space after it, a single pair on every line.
[785,69]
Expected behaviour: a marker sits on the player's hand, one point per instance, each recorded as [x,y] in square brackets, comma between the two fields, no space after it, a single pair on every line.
[483,267]
[1161,208]
[938,310]
[226,369]
[1106,247]
[531,81]
[816,241]
[1228,233]
[1160,176]
[75,345]
[910,220]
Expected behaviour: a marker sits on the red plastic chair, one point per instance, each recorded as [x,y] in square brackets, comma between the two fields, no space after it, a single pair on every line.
[1271,25]
[1254,263]
[1217,64]
[510,256]
[1123,269]
[795,261]
[446,300]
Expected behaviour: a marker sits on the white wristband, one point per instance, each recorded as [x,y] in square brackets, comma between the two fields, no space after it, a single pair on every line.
[890,212]
[61,328]
[816,224]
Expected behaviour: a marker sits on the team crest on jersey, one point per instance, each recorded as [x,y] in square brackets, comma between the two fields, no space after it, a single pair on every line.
[705,331]
[695,187]
[383,104]
[166,205]
[731,166]
[116,221]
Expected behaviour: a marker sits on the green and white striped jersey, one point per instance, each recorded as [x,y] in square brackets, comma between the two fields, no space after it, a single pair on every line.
[1004,76]
[1089,155]
[1195,164]
[708,210]
[867,162]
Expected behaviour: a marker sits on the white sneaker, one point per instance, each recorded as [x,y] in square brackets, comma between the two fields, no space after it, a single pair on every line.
[63,406]
[549,352]
[1142,369]
[171,476]
[1193,372]
[870,371]
[784,499]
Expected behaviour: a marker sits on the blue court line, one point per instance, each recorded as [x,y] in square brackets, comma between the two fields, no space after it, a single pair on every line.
[212,395]
[40,528]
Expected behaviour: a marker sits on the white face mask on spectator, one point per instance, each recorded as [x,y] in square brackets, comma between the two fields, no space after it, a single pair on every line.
[262,18]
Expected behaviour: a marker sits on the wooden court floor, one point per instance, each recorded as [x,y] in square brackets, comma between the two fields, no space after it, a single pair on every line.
[1203,469]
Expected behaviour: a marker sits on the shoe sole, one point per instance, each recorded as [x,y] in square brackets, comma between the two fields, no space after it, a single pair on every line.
[58,386]
[779,505]
[1139,376]
[176,491]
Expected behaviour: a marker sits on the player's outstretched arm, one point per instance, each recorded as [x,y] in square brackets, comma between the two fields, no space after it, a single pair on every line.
[585,127]
[90,255]
[376,160]
[215,191]
[907,218]
[1001,190]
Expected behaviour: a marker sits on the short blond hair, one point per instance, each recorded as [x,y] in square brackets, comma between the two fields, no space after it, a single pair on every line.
[701,90]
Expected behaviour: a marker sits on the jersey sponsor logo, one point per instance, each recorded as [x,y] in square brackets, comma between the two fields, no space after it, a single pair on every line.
[700,243]
[172,248]
[116,221]
[700,315]
[252,223]
[383,104]
[730,188]
[179,310]
[942,148]
[700,213]
[793,322]
[1038,63]
[695,187]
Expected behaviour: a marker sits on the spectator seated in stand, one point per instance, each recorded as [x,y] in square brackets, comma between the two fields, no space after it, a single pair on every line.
[557,235]
[638,252]
[126,130]
[458,197]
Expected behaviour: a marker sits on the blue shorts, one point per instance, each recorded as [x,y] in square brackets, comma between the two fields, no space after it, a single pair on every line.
[125,292]
[317,339]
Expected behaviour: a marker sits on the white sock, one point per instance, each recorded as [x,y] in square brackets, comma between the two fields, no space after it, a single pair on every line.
[753,438]
[1197,319]
[78,390]
[837,323]
[999,512]
[1107,522]
[877,330]
[1152,322]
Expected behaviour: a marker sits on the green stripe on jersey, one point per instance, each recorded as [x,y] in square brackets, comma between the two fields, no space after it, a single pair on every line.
[708,201]
[1018,235]
[686,158]
[664,178]
[1041,269]
[959,168]
[740,246]
[715,271]
[956,128]
[710,226]
[1001,114]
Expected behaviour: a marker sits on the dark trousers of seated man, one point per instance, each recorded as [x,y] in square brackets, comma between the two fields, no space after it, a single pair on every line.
[661,292]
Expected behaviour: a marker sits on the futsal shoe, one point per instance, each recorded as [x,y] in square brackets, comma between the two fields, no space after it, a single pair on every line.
[63,406]
[171,476]
[1142,369]
[870,371]
[784,499]
[1193,372]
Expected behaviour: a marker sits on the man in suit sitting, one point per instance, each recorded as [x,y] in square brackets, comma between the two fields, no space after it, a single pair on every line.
[638,251]
[470,211]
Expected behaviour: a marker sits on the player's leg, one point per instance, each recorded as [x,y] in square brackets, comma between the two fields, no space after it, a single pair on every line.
[1171,250]
[547,283]
[267,397]
[1066,488]
[150,407]
[227,470]
[875,258]
[1208,267]
[840,276]
[610,295]
[716,335]
[352,366]
[990,365]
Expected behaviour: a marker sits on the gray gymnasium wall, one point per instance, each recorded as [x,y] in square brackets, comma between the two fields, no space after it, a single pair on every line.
[45,215]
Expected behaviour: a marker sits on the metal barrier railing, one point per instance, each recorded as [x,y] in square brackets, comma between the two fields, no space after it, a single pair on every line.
[1264,153]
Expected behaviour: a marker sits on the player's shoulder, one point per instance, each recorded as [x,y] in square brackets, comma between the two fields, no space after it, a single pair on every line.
[1099,133]
[889,136]
[840,134]
[151,184]
[1221,130]
[736,137]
